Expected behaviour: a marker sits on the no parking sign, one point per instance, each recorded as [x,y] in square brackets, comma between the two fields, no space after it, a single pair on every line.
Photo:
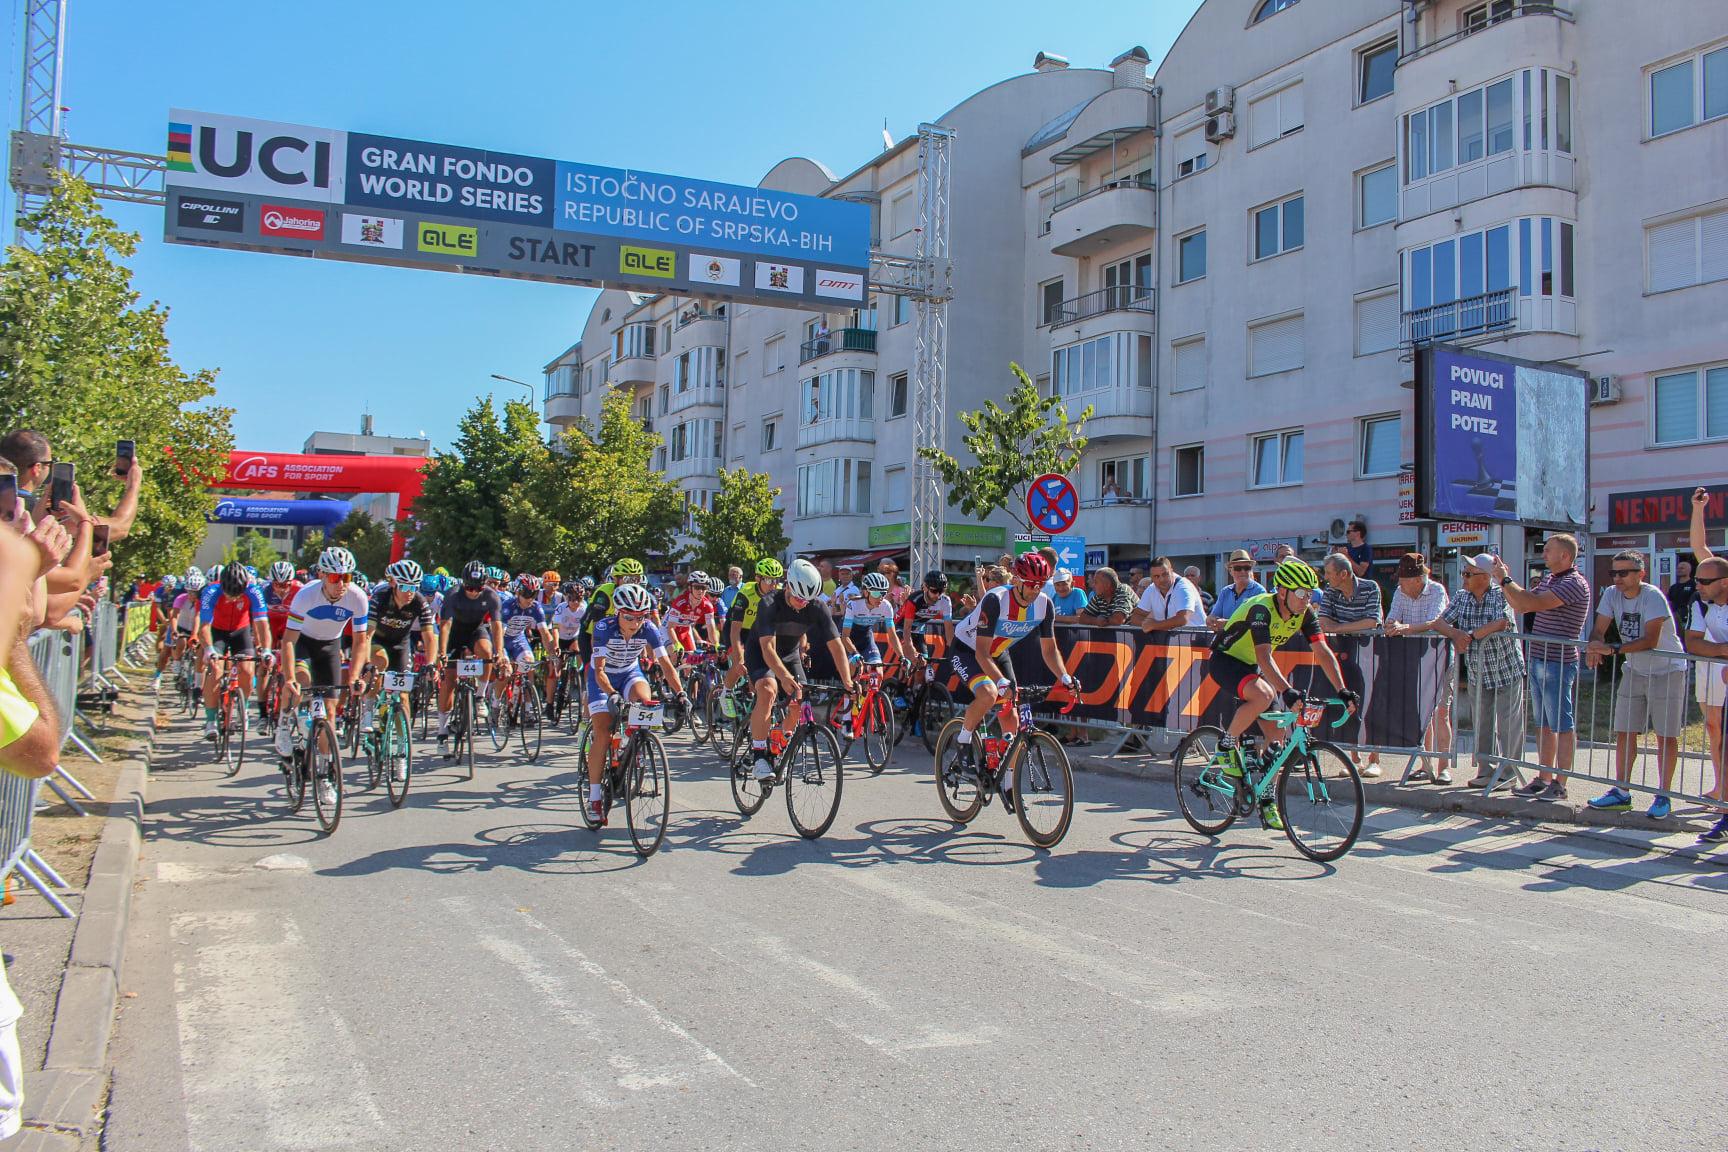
[1052,504]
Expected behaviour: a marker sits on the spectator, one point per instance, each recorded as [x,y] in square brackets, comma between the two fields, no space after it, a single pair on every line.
[1055,562]
[32,455]
[826,568]
[1135,575]
[1170,602]
[1417,603]
[1282,553]
[1356,547]
[734,577]
[1141,585]
[1068,599]
[1349,603]
[845,589]
[1006,560]
[1112,493]
[1707,635]
[1681,592]
[1242,586]
[897,590]
[1561,603]
[1652,683]
[1192,575]
[1479,623]
[1111,601]
[59,587]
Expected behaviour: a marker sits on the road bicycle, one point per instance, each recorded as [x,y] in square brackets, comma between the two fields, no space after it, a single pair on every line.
[423,700]
[317,755]
[701,678]
[514,705]
[1314,784]
[1040,780]
[868,718]
[724,729]
[928,704]
[672,720]
[275,683]
[566,704]
[464,711]
[806,763]
[231,715]
[636,773]
[190,683]
[388,748]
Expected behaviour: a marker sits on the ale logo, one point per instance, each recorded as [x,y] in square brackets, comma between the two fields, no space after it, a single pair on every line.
[449,239]
[661,263]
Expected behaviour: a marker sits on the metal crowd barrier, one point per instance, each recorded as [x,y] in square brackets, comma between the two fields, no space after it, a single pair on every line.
[58,657]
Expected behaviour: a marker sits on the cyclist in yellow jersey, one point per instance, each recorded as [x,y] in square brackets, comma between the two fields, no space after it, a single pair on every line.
[739,620]
[625,571]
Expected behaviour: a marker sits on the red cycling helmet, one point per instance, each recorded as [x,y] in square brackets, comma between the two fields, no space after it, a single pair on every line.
[1032,567]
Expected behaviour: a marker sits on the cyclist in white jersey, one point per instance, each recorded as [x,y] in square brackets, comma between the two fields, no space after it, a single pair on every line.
[312,642]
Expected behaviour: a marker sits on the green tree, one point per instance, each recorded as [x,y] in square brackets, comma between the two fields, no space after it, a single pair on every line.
[253,548]
[1013,446]
[459,515]
[367,538]
[594,499]
[745,524]
[85,363]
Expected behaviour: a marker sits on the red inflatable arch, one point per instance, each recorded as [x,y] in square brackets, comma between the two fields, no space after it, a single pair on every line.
[289,472]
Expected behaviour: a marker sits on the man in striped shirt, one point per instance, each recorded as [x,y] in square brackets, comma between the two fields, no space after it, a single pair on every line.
[1561,602]
[1350,603]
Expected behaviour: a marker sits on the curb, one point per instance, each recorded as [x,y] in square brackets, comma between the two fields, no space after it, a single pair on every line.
[64,1103]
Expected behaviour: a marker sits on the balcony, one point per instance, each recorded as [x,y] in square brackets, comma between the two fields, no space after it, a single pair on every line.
[695,314]
[1124,210]
[711,395]
[1122,298]
[1517,168]
[1127,520]
[1117,413]
[631,370]
[562,408]
[1506,12]
[692,466]
[843,340]
[1498,313]
[857,428]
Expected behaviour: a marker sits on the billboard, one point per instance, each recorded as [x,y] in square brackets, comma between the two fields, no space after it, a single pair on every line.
[1501,440]
[235,182]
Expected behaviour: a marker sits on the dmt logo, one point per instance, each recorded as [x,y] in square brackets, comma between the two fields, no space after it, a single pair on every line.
[658,262]
[256,468]
[299,223]
[449,239]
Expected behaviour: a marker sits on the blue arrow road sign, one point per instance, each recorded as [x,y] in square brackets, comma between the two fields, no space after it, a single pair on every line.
[1071,554]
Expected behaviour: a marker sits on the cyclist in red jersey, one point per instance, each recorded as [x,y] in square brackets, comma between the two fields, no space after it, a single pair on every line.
[278,595]
[693,615]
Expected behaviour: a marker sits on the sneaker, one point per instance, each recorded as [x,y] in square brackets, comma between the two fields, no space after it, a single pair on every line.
[326,794]
[209,729]
[284,740]
[1613,800]
[399,770]
[763,769]
[728,707]
[597,813]
[1661,808]
[1718,831]
[1531,790]
[1486,779]
[1368,772]
[1419,776]
[1269,817]
[368,714]
[1556,790]
[1444,776]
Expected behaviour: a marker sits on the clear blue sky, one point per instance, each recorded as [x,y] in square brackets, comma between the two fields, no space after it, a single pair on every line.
[720,91]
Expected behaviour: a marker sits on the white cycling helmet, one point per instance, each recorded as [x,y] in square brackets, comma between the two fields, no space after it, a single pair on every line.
[876,583]
[194,571]
[716,586]
[281,572]
[406,573]
[698,578]
[803,581]
[632,598]
[195,581]
[336,562]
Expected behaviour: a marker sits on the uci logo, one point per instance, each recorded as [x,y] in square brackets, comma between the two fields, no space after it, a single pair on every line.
[282,159]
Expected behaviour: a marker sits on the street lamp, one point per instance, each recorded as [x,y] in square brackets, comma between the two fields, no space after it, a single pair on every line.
[525,384]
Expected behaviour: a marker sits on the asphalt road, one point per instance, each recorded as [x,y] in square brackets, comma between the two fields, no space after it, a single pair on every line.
[476,971]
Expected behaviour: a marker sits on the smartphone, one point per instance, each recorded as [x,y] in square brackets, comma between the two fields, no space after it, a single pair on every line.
[99,540]
[125,451]
[60,481]
[8,498]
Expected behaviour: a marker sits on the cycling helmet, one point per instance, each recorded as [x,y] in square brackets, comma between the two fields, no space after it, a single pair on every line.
[550,576]
[429,585]
[1296,575]
[474,574]
[716,587]
[405,572]
[1031,566]
[627,569]
[587,583]
[213,574]
[936,580]
[170,582]
[803,581]
[769,568]
[194,571]
[281,572]
[698,578]
[362,582]
[336,562]
[633,598]
[527,584]
[875,583]
[195,581]
[234,581]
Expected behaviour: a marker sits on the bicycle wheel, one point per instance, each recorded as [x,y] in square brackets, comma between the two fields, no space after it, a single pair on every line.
[499,706]
[748,793]
[194,694]
[814,777]
[1206,796]
[294,781]
[326,766]
[879,737]
[961,795]
[397,753]
[838,722]
[672,716]
[530,720]
[647,794]
[1320,799]
[894,689]
[937,710]
[1043,788]
[571,710]
[233,731]
[582,747]
[700,726]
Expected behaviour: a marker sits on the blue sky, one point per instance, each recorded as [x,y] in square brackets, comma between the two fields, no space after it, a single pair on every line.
[719,91]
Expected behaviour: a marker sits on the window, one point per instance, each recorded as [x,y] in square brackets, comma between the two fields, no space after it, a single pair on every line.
[1377,196]
[1478,123]
[834,488]
[897,395]
[633,340]
[1128,474]
[737,441]
[1191,153]
[1275,346]
[894,489]
[1190,471]
[1689,92]
[902,214]
[841,394]
[666,336]
[1470,266]
[1374,71]
[1687,252]
[1278,228]
[1102,362]
[1378,450]
[1188,365]
[770,434]
[902,310]
[1275,115]
[1271,8]
[1049,301]
[1191,257]
[773,354]
[740,369]
[1277,459]
[1690,406]
[1477,18]
[696,368]
[812,327]
[1377,322]
[665,394]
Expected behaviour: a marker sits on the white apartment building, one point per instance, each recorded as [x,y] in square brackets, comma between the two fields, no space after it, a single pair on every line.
[1230,261]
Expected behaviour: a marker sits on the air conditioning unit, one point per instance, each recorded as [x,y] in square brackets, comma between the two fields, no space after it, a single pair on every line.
[1335,532]
[1221,100]
[1604,389]
[1220,128]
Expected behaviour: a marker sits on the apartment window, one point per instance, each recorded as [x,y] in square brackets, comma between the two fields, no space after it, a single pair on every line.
[770,434]
[834,488]
[1377,322]
[1378,451]
[1084,367]
[1191,153]
[1278,228]
[1188,365]
[902,310]
[1128,474]
[1374,67]
[666,336]
[842,394]
[1190,471]
[1275,345]
[737,441]
[1049,301]
[665,394]
[894,489]
[897,395]
[1687,252]
[1478,123]
[1275,115]
[1377,196]
[1271,8]
[1277,459]
[1691,406]
[1472,265]
[1689,92]
[633,340]
[1477,18]
[1191,257]
[740,369]
[902,217]
[773,354]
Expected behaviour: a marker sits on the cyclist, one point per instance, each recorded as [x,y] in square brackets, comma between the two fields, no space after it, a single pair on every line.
[397,614]
[162,621]
[185,613]
[740,618]
[771,654]
[625,571]
[312,644]
[1005,615]
[868,614]
[691,615]
[567,619]
[925,615]
[1242,667]
[231,614]
[620,642]
[550,582]
[525,621]
[466,612]
[278,594]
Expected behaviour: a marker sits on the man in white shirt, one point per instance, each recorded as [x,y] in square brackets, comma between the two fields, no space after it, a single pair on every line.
[1707,635]
[1652,690]
[1169,601]
[1417,603]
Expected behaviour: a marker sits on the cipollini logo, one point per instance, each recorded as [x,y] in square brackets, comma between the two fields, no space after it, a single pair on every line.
[282,220]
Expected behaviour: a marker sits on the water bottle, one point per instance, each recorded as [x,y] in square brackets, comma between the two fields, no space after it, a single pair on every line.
[776,741]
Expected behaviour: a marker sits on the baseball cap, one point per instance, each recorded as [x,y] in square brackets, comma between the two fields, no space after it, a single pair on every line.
[1482,562]
[1412,564]
[1062,576]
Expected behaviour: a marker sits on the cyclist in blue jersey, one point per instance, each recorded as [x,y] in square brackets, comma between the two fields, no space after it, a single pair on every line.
[615,667]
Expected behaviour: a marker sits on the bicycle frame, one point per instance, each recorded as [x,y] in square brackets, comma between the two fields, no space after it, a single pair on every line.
[1298,726]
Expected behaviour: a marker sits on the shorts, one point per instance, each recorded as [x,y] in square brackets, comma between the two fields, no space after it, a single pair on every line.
[518,649]
[322,660]
[964,661]
[461,637]
[566,647]
[238,642]
[758,669]
[1553,695]
[398,651]
[1651,700]
[182,631]
[1231,674]
[1710,690]
[621,682]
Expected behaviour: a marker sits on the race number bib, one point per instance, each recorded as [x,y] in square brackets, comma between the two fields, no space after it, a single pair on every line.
[315,708]
[399,681]
[644,716]
[470,669]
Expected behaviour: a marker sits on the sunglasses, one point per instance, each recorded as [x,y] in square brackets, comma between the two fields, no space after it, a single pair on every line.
[338,577]
[1706,580]
[627,615]
[1626,571]
[1241,567]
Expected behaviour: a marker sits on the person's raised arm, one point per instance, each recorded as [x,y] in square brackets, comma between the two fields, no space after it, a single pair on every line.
[1699,537]
[29,725]
[120,520]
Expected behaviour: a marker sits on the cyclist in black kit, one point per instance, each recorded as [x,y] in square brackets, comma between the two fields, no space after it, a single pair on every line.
[472,624]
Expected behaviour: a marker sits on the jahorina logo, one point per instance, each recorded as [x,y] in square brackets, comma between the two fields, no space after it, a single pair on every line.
[256,468]
[298,223]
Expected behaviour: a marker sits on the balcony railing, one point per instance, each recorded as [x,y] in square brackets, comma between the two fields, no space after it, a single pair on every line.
[692,314]
[1525,8]
[693,397]
[838,428]
[1100,190]
[1471,316]
[1122,298]
[844,340]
